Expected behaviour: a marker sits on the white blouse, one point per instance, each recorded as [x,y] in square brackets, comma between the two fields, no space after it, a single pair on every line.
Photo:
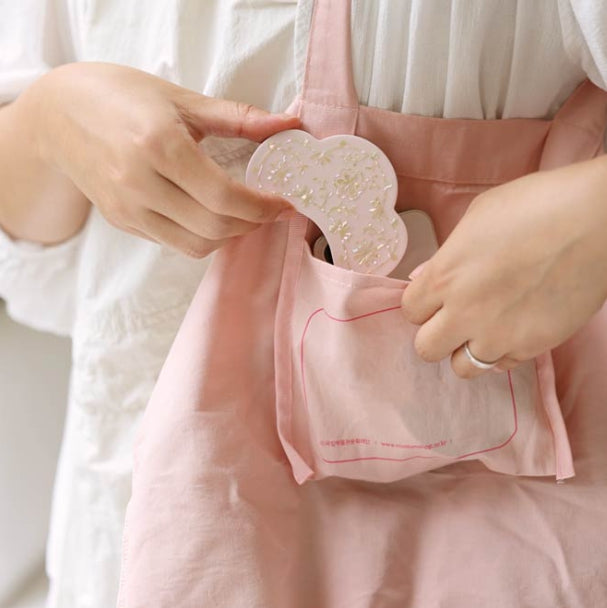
[122,298]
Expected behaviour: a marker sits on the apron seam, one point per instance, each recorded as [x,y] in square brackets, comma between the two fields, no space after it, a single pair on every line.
[473,182]
[577,126]
[329,105]
[555,446]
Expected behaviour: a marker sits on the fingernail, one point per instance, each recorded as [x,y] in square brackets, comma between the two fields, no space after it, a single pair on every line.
[285,116]
[417,270]
[287,214]
[286,204]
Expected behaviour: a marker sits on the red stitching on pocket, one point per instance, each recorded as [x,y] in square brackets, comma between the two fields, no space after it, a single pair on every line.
[348,460]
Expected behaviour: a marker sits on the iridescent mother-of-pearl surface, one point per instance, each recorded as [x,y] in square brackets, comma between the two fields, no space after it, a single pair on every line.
[346,185]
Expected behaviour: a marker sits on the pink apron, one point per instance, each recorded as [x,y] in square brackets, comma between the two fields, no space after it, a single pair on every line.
[292,386]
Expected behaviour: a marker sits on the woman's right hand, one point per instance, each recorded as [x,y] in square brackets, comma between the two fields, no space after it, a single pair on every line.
[129,142]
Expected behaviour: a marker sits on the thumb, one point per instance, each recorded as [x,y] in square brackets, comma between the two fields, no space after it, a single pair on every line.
[226,118]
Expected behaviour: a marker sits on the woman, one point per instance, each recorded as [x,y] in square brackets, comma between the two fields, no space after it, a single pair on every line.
[498,94]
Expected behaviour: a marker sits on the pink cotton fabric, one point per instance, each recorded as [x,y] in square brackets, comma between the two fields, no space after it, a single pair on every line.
[241,495]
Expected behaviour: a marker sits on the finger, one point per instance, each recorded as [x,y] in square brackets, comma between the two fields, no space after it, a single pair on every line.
[421,300]
[464,368]
[174,236]
[439,336]
[177,205]
[200,177]
[226,118]
[140,234]
[506,364]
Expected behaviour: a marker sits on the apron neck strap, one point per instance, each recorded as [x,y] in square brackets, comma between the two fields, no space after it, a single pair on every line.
[329,100]
[581,123]
[585,107]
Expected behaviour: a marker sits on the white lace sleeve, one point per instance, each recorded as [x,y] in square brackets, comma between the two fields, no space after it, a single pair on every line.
[38,282]
[34,37]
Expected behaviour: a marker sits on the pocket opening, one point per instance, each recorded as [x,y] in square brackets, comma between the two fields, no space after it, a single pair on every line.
[348,377]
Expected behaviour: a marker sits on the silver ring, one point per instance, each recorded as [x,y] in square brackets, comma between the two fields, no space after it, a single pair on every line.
[477,362]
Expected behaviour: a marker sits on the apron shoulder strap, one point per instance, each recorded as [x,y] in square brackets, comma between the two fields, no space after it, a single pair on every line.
[586,107]
[329,102]
[577,130]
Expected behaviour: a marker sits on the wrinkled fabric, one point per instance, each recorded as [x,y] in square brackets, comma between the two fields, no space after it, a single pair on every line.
[122,299]
[221,492]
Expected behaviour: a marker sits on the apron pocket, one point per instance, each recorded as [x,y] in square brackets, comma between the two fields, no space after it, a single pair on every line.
[355,401]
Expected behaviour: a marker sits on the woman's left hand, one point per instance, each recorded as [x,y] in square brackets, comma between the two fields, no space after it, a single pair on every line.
[522,271]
